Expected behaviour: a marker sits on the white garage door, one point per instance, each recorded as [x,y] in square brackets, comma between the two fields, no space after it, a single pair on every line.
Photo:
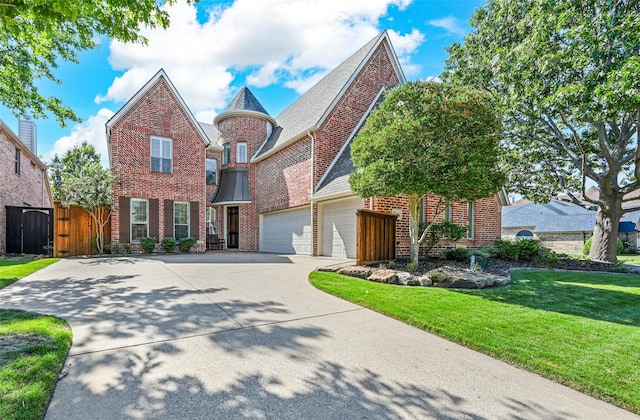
[286,232]
[339,227]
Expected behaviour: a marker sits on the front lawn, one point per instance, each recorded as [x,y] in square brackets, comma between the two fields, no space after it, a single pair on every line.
[33,348]
[579,329]
[629,259]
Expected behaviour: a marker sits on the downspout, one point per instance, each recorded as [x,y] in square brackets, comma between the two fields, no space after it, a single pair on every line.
[313,161]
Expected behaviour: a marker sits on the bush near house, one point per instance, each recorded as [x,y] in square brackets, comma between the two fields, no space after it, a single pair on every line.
[586,248]
[168,244]
[186,244]
[148,244]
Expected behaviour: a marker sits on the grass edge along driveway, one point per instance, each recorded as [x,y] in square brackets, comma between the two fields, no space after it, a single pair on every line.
[579,329]
[33,349]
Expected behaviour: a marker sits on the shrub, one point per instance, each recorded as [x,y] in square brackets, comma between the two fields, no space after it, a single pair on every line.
[526,250]
[119,248]
[186,244]
[446,230]
[412,266]
[168,244]
[587,246]
[458,254]
[148,244]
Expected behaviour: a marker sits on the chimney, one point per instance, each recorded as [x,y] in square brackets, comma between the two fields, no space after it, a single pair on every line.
[27,133]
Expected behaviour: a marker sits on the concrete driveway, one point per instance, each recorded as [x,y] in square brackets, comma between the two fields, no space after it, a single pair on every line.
[238,335]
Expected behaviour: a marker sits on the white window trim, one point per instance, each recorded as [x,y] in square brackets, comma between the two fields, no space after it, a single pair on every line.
[188,218]
[131,222]
[211,220]
[471,219]
[243,155]
[170,158]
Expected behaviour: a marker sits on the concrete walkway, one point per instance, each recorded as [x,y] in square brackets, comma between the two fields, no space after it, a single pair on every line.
[236,335]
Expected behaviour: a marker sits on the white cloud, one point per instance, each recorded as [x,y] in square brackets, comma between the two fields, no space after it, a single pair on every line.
[91,131]
[288,42]
[450,24]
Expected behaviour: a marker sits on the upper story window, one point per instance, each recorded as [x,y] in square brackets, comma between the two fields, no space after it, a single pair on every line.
[139,219]
[241,153]
[225,154]
[17,161]
[211,171]
[161,155]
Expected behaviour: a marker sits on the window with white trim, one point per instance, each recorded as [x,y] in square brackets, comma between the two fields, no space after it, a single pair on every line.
[448,212]
[225,154]
[471,215]
[241,153]
[139,218]
[181,219]
[161,155]
[211,171]
[212,216]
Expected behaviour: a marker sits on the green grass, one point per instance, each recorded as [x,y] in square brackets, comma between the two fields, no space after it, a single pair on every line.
[629,259]
[33,348]
[578,329]
[12,270]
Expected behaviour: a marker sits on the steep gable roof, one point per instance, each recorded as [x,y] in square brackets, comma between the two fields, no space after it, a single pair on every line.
[309,111]
[160,75]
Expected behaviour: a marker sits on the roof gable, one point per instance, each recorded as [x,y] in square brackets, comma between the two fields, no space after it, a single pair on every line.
[309,111]
[160,75]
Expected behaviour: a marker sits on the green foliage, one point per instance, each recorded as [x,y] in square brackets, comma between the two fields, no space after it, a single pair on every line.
[120,248]
[148,244]
[412,266]
[168,244]
[586,248]
[458,254]
[564,73]
[527,250]
[447,230]
[37,35]
[74,162]
[186,244]
[13,270]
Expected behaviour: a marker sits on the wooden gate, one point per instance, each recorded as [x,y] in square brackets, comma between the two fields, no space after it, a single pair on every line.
[376,236]
[29,230]
[75,231]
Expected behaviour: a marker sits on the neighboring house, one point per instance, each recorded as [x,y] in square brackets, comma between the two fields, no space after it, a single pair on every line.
[24,179]
[273,184]
[561,226]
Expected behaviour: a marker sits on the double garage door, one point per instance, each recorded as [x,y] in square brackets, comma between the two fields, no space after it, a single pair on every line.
[290,231]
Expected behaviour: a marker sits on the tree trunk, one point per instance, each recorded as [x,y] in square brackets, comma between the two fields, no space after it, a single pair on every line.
[604,244]
[414,228]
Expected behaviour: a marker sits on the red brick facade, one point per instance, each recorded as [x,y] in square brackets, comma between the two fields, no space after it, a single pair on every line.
[157,113]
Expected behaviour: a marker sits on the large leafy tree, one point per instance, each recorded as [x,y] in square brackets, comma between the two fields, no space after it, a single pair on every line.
[428,138]
[36,34]
[566,75]
[70,165]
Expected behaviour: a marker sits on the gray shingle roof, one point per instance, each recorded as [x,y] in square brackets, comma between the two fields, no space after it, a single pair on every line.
[337,179]
[244,100]
[307,111]
[210,130]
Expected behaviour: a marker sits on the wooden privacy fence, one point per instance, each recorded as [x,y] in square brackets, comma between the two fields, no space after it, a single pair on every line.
[75,231]
[376,236]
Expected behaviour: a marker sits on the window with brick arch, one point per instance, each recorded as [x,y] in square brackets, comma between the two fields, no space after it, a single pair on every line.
[181,219]
[161,155]
[139,218]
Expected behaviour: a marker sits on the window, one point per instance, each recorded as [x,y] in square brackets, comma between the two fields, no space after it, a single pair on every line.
[211,171]
[225,154]
[139,219]
[161,155]
[17,161]
[241,153]
[181,219]
[471,214]
[448,212]
[524,235]
[212,217]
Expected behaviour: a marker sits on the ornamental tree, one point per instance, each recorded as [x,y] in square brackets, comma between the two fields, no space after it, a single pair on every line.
[71,164]
[35,35]
[428,138]
[565,74]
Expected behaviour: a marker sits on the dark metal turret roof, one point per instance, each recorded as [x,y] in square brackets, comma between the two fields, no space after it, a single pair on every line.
[244,101]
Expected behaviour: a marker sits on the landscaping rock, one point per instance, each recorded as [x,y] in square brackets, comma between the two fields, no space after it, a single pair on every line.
[405,278]
[384,276]
[356,271]
[328,269]
[465,279]
[424,281]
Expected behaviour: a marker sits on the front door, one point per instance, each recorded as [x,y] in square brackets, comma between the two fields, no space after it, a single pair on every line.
[233,227]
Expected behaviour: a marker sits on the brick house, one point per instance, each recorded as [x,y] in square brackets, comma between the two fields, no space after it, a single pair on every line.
[263,183]
[24,179]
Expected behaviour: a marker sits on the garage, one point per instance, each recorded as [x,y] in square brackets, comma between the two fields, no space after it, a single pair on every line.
[339,227]
[286,232]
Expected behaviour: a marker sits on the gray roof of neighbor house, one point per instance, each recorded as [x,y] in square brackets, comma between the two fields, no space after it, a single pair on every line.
[558,216]
[308,111]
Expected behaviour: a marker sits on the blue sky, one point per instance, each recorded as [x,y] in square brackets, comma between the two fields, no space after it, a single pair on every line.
[278,48]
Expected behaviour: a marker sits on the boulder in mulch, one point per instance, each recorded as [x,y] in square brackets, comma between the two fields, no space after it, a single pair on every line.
[356,271]
[384,276]
[456,278]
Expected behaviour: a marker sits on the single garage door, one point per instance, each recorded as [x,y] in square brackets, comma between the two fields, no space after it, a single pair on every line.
[286,232]
[339,227]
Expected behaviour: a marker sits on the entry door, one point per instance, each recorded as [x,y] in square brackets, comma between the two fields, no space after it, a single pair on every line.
[233,227]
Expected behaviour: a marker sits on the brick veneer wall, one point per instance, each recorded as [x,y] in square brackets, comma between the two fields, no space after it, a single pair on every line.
[377,73]
[30,186]
[158,113]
